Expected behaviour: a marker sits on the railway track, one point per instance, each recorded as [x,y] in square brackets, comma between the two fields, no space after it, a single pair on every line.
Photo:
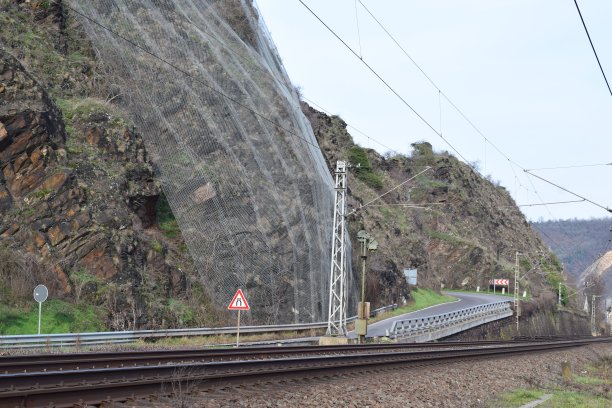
[91,360]
[93,378]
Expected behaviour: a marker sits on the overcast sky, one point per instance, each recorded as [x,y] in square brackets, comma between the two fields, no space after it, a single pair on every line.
[522,71]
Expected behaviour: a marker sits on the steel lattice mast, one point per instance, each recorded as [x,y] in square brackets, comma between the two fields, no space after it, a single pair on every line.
[336,324]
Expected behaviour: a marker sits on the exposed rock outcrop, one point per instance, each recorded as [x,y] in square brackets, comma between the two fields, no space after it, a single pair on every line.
[78,193]
[464,230]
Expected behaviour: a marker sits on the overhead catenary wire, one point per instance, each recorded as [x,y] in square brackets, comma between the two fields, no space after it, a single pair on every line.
[586,30]
[388,191]
[145,50]
[386,84]
[511,162]
[552,203]
[431,81]
[570,192]
[538,204]
[571,166]
[358,31]
[238,103]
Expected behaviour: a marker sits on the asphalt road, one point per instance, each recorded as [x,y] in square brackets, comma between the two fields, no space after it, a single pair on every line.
[465,300]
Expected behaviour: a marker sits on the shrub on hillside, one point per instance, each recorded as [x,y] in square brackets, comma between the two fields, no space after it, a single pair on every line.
[358,157]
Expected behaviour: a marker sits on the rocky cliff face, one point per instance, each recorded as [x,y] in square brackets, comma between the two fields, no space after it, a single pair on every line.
[80,206]
[458,229]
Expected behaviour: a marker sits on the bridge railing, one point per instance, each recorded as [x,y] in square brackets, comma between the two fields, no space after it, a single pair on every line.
[417,326]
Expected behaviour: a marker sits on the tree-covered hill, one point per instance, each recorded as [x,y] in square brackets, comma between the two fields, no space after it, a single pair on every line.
[577,243]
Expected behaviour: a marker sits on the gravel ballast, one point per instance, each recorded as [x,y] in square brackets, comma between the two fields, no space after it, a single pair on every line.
[459,384]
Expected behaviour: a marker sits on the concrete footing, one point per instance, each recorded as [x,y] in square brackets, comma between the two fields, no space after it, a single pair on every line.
[333,341]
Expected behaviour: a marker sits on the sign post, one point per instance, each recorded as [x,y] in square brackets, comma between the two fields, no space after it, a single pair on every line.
[238,303]
[40,295]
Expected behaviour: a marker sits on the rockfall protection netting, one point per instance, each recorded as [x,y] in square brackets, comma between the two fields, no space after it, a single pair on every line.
[239,163]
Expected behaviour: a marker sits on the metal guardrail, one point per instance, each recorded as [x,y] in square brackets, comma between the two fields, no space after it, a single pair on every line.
[413,327]
[97,338]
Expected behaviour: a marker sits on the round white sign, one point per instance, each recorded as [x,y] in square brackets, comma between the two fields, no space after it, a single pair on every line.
[40,293]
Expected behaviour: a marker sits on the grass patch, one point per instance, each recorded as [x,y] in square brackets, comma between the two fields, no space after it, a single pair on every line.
[165,218]
[569,399]
[443,236]
[41,193]
[421,298]
[82,108]
[157,246]
[587,380]
[517,398]
[79,110]
[58,316]
[358,157]
[559,399]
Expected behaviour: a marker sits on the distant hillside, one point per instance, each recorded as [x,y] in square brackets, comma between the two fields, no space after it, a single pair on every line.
[577,243]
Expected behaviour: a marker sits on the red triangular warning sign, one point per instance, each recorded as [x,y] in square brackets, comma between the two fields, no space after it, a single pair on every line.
[239,302]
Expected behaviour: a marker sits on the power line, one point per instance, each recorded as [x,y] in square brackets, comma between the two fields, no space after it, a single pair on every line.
[571,192]
[358,31]
[145,50]
[555,202]
[399,45]
[571,167]
[511,162]
[388,191]
[230,98]
[431,81]
[373,71]
[593,47]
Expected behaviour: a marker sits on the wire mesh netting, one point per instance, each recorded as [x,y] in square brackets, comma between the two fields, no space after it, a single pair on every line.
[238,161]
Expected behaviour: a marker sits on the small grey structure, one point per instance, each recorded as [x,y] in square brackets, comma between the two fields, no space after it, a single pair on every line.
[411,276]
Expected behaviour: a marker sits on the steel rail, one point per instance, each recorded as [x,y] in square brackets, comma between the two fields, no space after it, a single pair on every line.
[74,361]
[60,388]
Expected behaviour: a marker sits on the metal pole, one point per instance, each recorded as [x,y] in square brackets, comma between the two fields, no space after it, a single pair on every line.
[593,319]
[559,294]
[39,315]
[238,330]
[364,256]
[516,290]
[593,314]
[336,323]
